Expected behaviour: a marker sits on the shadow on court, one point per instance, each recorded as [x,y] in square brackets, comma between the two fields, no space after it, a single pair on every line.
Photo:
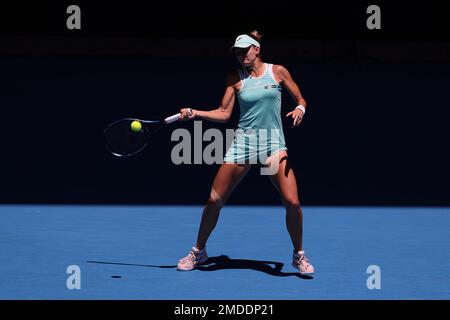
[223,262]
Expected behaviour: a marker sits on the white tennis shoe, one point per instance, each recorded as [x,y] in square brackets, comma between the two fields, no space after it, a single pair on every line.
[193,259]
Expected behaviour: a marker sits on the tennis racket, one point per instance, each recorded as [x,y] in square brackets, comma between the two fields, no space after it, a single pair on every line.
[122,141]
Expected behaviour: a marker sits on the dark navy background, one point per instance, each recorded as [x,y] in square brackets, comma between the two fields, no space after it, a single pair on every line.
[376,131]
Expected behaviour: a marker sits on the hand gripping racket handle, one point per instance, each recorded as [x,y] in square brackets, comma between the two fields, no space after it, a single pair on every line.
[175,117]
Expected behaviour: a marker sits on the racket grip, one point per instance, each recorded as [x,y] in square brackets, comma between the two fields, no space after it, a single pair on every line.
[173,118]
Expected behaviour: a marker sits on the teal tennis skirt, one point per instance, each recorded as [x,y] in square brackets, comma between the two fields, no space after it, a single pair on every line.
[254,146]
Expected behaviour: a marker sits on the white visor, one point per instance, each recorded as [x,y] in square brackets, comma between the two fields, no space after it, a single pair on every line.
[244,41]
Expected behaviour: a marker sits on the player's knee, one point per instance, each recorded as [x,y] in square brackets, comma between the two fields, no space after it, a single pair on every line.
[292,204]
[216,203]
[215,200]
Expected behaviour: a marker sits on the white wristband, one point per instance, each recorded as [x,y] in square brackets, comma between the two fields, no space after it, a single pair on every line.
[301,108]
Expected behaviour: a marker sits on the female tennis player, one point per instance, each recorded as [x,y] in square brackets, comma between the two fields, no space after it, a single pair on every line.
[258,87]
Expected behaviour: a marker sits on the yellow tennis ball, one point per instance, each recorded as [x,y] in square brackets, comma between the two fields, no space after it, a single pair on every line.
[136,126]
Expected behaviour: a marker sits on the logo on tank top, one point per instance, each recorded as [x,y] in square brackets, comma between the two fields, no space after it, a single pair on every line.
[270,86]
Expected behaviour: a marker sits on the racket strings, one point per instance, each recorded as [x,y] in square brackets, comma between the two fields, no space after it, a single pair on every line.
[122,141]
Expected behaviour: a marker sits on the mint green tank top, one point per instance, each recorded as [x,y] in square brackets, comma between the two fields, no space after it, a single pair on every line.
[260,117]
[259,101]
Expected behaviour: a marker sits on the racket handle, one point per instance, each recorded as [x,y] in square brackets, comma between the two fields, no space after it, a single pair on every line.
[173,118]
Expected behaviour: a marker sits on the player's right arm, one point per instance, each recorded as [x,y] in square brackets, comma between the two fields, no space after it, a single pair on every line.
[223,112]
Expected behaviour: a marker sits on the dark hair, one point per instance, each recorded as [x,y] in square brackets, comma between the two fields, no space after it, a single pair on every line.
[255,35]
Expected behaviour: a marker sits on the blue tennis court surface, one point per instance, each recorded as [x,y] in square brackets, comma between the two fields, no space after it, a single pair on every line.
[130,252]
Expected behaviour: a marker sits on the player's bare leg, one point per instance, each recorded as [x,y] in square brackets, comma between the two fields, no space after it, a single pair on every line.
[285,182]
[227,178]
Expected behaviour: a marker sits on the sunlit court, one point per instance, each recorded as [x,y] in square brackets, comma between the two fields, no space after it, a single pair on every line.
[129,252]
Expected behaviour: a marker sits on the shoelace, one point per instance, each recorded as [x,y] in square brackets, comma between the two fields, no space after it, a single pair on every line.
[191,256]
[304,259]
